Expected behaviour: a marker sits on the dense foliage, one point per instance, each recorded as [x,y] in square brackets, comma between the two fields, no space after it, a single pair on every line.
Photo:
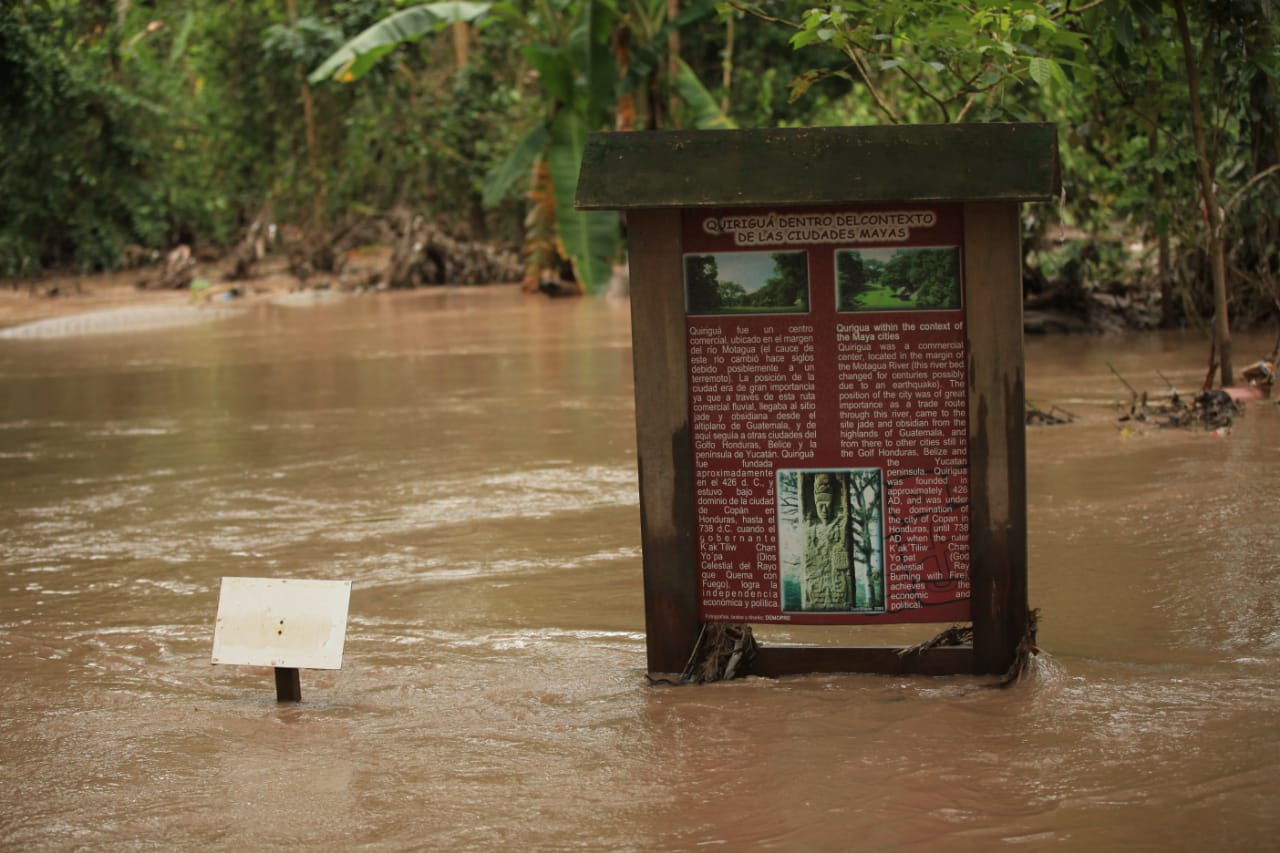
[911,278]
[930,278]
[131,127]
[134,126]
[785,286]
[702,284]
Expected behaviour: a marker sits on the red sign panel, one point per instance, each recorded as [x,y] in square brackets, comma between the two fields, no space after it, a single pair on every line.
[827,389]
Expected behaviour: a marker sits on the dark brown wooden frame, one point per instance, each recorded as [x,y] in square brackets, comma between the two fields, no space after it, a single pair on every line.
[990,169]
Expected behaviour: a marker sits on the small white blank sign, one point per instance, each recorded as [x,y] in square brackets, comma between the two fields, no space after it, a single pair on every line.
[292,623]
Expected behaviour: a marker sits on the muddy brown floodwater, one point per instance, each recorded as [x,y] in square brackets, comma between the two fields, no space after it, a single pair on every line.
[467,459]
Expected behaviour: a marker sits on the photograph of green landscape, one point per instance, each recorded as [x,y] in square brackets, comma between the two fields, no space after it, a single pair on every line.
[898,279]
[747,283]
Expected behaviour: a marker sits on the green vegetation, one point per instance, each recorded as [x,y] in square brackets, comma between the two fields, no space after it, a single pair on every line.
[784,289]
[926,278]
[131,127]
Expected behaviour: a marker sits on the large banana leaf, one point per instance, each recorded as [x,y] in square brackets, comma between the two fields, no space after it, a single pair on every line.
[357,56]
[591,43]
[707,114]
[591,238]
[517,165]
[555,69]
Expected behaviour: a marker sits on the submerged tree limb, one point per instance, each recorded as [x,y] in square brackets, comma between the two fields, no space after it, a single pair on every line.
[961,635]
[723,651]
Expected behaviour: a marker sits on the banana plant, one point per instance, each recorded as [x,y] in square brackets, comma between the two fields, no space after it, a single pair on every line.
[567,44]
[357,56]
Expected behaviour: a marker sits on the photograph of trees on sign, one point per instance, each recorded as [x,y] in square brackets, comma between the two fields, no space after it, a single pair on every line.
[747,283]
[831,540]
[898,279]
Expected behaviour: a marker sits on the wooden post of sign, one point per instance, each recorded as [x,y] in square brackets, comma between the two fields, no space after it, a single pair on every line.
[288,684]
[665,181]
[663,442]
[997,433]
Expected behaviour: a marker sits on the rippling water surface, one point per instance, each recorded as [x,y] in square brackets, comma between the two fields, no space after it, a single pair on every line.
[467,459]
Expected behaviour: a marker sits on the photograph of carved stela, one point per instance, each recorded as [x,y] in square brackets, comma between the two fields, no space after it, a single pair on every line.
[830,540]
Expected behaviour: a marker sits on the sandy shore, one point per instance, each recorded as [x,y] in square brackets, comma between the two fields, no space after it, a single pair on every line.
[24,301]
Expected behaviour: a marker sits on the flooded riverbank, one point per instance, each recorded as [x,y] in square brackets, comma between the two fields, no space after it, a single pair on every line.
[467,459]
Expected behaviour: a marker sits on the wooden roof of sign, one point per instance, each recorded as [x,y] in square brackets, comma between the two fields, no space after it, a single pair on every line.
[819,165]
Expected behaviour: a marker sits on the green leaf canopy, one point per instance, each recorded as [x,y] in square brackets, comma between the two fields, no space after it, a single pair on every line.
[357,56]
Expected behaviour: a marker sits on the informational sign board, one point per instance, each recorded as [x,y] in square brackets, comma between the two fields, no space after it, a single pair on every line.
[827,331]
[826,353]
[286,623]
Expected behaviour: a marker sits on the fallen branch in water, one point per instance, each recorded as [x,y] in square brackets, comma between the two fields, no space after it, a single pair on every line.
[1208,409]
[1027,649]
[962,635]
[1036,416]
[956,635]
[723,651]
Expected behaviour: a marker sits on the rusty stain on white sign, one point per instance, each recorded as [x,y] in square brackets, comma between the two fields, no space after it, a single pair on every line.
[289,622]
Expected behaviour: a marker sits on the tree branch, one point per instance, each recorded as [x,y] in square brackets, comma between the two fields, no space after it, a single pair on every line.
[757,13]
[860,62]
[946,118]
[973,99]
[1239,194]
[1067,10]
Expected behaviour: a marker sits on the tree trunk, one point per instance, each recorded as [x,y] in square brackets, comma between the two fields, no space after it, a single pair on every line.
[1264,137]
[1209,198]
[1163,278]
[318,204]
[461,44]
[309,127]
[726,75]
[673,65]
